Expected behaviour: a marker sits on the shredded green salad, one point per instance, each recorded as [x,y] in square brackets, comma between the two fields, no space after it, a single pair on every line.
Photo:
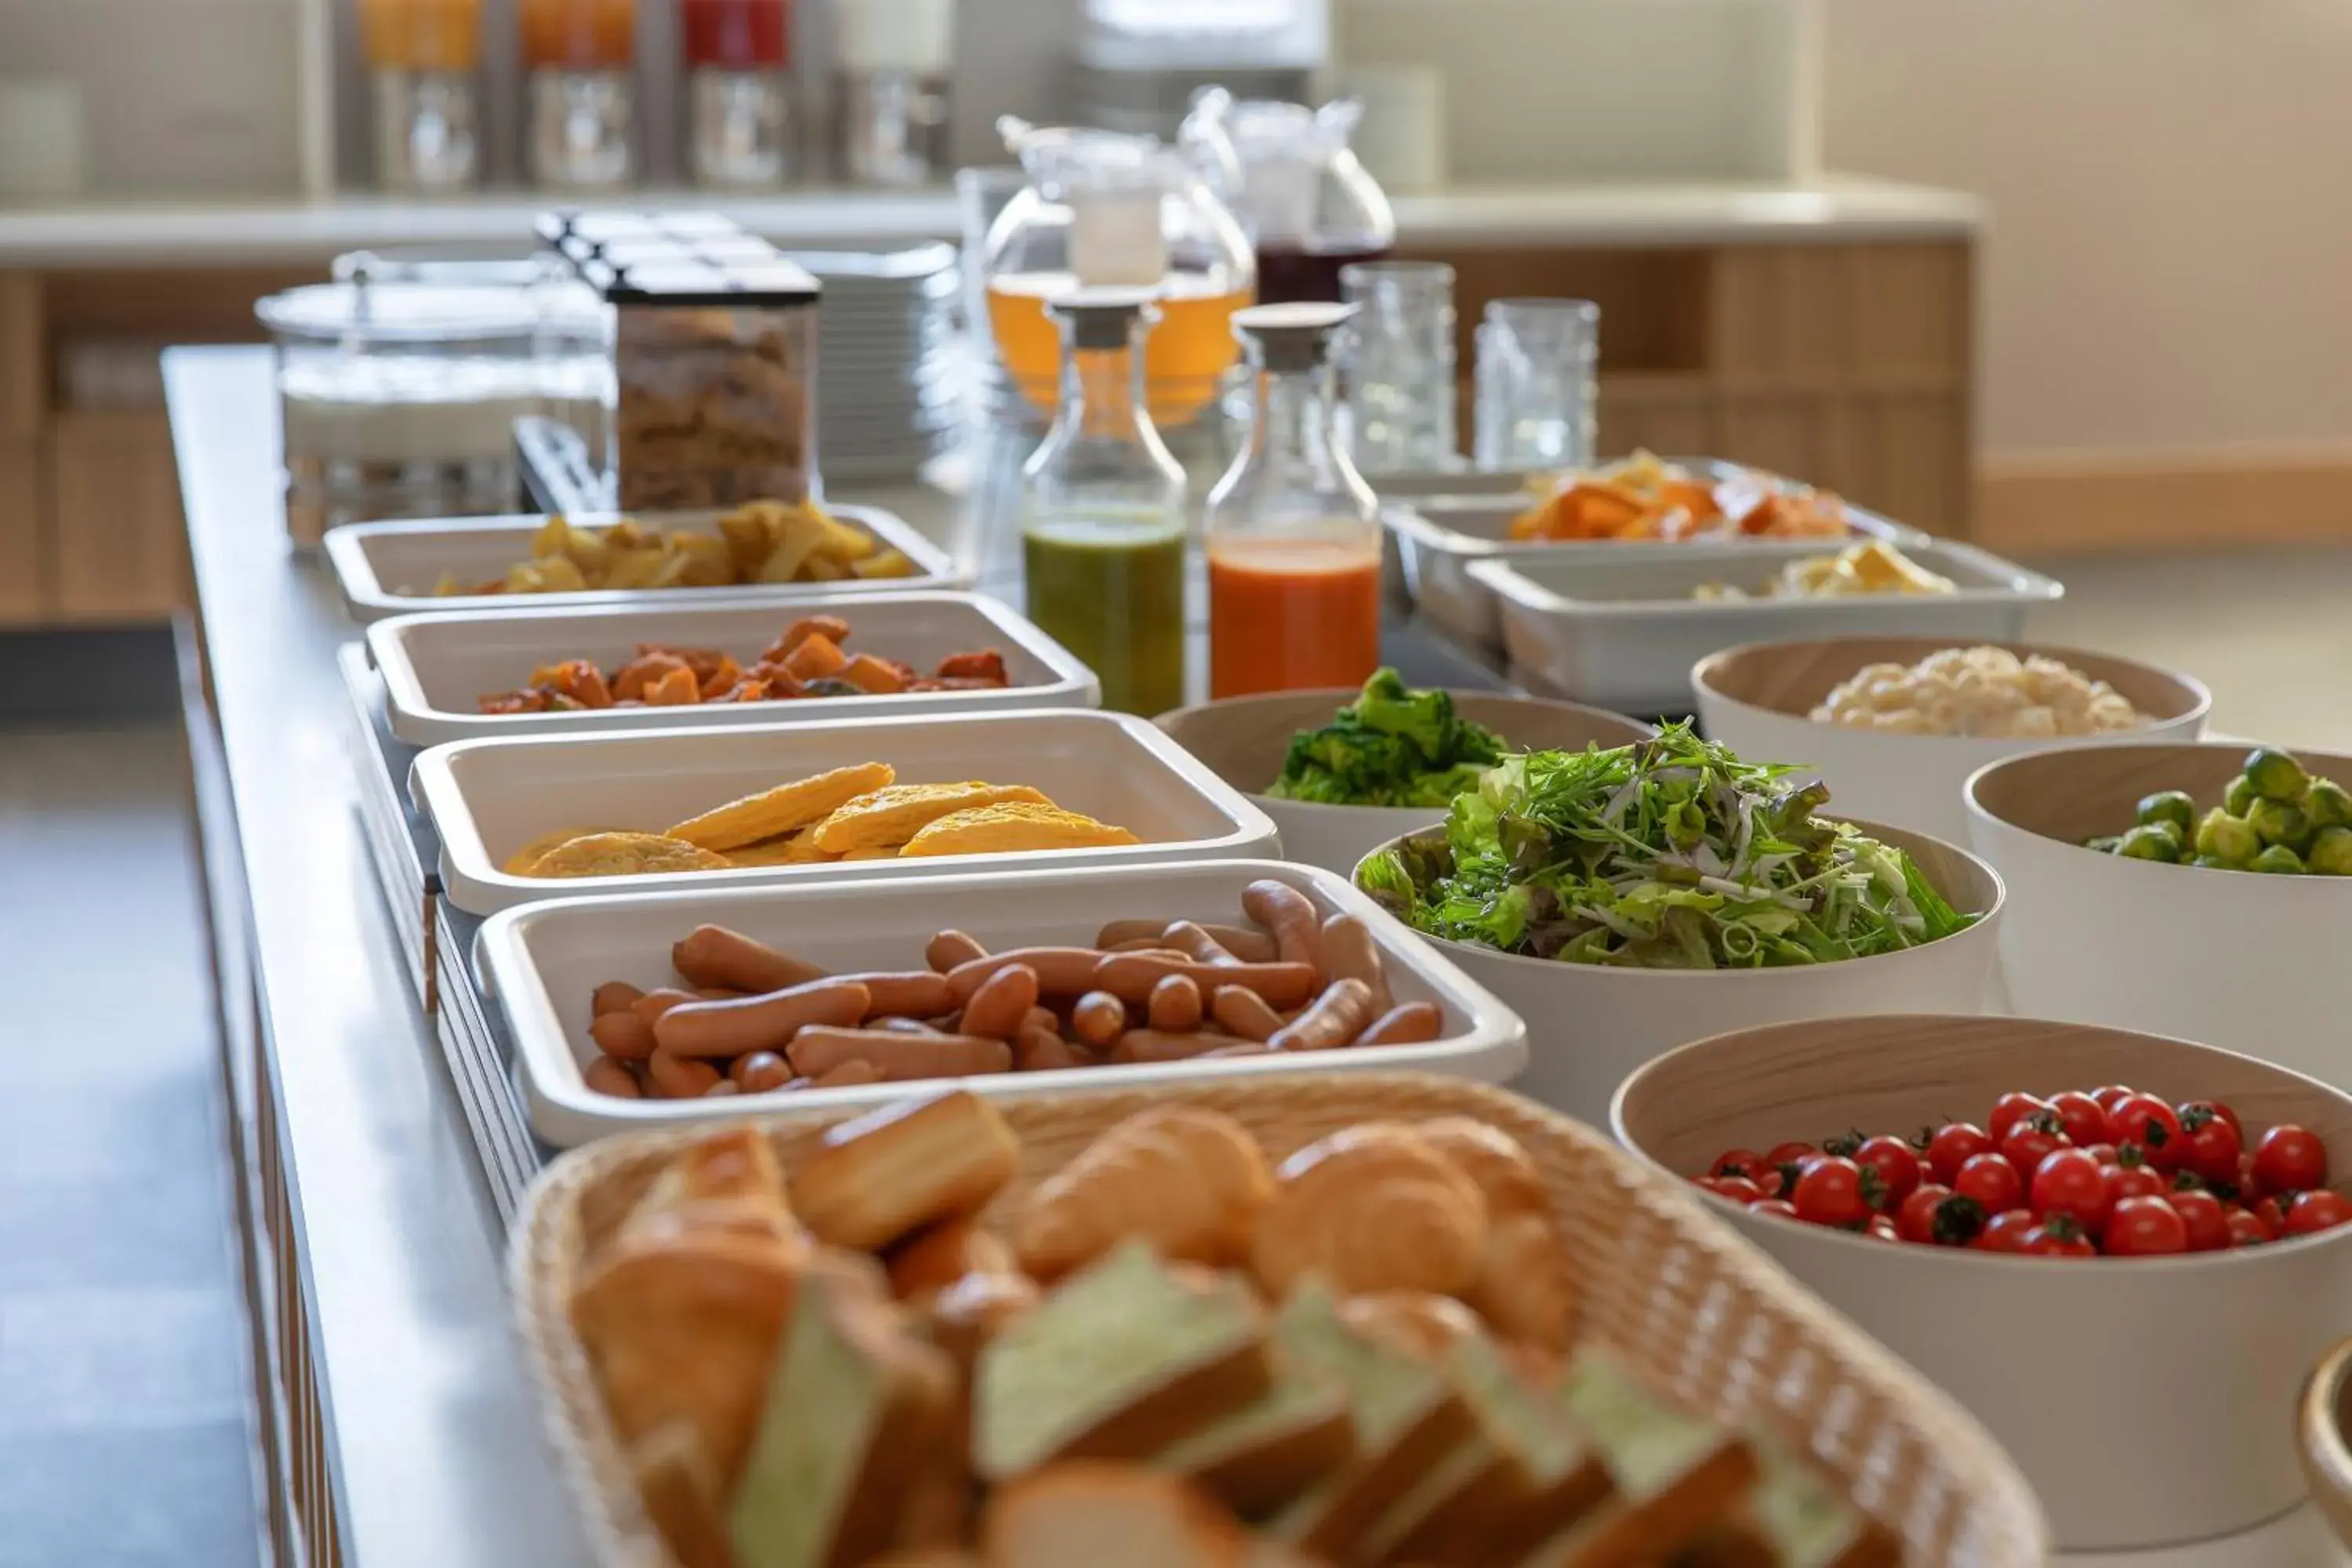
[1391,746]
[1668,854]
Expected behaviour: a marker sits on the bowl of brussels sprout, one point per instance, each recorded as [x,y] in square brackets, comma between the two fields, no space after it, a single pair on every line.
[2197,891]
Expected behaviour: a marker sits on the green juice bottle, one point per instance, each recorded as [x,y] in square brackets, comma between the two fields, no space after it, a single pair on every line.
[1102,533]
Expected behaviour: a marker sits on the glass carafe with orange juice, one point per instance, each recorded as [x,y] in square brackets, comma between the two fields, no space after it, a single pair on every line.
[1107,210]
[1293,531]
[580,55]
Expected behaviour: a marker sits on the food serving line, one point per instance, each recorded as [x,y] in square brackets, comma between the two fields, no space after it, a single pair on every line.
[406,1427]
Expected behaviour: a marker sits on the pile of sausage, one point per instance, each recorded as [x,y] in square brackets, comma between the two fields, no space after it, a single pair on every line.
[757,1021]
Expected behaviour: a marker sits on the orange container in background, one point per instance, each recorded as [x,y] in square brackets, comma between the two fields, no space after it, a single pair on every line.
[578,35]
[422,34]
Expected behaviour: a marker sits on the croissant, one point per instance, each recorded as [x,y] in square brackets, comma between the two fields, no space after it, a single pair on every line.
[1374,1207]
[1189,1182]
[1525,1286]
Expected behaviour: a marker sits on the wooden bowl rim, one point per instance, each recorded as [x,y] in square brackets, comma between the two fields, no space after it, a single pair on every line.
[2193,698]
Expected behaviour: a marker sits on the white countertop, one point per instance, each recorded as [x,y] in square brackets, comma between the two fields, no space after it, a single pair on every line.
[225,233]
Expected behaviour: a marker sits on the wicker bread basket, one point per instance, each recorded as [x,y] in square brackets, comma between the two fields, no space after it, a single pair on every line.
[1677,1295]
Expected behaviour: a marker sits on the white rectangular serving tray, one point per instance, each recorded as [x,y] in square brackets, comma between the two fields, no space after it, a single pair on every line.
[1621,630]
[490,798]
[540,963]
[437,668]
[389,568]
[1440,533]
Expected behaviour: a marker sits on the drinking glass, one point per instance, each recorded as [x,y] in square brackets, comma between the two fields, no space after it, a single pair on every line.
[1537,384]
[1399,365]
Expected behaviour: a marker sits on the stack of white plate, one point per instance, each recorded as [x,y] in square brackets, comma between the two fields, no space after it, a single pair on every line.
[888,382]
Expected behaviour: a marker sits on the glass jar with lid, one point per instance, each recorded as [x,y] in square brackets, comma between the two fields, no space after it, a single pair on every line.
[581,120]
[1293,531]
[1310,206]
[424,57]
[737,56]
[1103,209]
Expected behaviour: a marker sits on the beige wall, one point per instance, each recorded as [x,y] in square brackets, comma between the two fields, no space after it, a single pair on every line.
[2169,266]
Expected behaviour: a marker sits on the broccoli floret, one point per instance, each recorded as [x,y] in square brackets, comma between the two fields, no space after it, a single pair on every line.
[1391,746]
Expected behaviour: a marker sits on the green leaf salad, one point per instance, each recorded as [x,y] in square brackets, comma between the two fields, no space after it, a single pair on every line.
[1391,746]
[1668,854]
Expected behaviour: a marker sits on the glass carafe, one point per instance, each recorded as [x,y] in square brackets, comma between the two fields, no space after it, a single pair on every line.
[1107,210]
[1293,531]
[1310,208]
[1102,529]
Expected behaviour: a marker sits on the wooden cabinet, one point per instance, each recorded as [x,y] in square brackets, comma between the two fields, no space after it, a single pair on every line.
[119,544]
[23,569]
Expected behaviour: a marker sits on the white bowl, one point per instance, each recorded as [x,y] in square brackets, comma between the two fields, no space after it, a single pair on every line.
[1244,740]
[2250,962]
[1589,1027]
[2149,1401]
[1755,700]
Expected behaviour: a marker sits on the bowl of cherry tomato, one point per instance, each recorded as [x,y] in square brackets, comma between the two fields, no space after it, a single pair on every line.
[2122,1252]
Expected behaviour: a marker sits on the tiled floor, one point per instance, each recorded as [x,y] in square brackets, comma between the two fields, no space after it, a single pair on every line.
[124,1434]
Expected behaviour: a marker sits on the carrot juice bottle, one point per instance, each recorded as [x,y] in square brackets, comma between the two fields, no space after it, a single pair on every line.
[1293,531]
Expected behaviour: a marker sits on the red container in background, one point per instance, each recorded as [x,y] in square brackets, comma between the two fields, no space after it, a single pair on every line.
[734,35]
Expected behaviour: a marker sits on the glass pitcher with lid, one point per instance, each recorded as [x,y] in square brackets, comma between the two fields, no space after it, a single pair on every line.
[1103,209]
[1310,207]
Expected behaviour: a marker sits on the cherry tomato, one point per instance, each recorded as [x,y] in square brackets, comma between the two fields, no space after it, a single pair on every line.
[2221,1109]
[2307,1214]
[2081,1118]
[1789,1153]
[1738,1189]
[2107,1094]
[2146,1228]
[2129,1179]
[1828,1192]
[2250,1185]
[2144,1120]
[2009,1110]
[2033,1140]
[2208,1144]
[2271,1212]
[2004,1231]
[1915,1219]
[2055,1241]
[1891,1170]
[1881,1228]
[2289,1160]
[1950,1147]
[2208,1227]
[2105,1153]
[2245,1230]
[2072,1184]
[1780,1207]
[1737,1163]
[1992,1182]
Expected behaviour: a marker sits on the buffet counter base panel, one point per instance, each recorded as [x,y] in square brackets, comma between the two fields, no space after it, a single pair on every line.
[437,667]
[2150,1401]
[389,568]
[488,799]
[542,962]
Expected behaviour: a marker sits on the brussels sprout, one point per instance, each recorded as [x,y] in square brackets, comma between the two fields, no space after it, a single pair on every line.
[2226,838]
[2275,822]
[2275,776]
[2106,844]
[2172,805]
[2328,804]
[2160,842]
[2241,797]
[2214,863]
[2278,859]
[2331,852]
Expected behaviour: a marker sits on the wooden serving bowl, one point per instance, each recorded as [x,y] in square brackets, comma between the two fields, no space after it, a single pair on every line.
[2146,1399]
[2247,962]
[1244,740]
[2321,1423]
[1755,698]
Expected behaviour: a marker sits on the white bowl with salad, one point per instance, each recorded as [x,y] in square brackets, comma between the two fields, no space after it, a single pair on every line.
[1625,903]
[1896,724]
[1341,773]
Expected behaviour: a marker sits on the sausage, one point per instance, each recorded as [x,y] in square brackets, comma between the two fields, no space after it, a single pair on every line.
[1290,915]
[1244,1013]
[758,1023]
[999,1008]
[653,1003]
[719,993]
[1099,1020]
[1350,953]
[1406,1024]
[1156,1045]
[724,1088]
[903,1027]
[1120,932]
[1042,1018]
[1140,944]
[1337,1017]
[713,956]
[951,948]
[613,996]
[1175,1005]
[1195,943]
[759,1071]
[944,1254]
[623,1035]
[679,1077]
[1061,971]
[850,1074]
[1129,976]
[1249,946]
[907,994]
[1044,1050]
[607,1076]
[897,1058]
